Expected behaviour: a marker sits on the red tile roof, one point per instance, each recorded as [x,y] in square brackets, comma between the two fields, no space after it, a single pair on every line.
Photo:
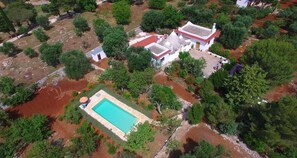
[198,38]
[146,41]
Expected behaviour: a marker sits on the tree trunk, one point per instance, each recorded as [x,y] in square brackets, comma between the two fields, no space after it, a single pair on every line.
[159,108]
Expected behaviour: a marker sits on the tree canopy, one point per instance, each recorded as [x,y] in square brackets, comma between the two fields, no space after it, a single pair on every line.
[195,113]
[118,74]
[100,26]
[140,81]
[76,64]
[50,54]
[163,97]
[247,87]
[9,49]
[272,125]
[139,58]
[43,21]
[137,140]
[45,150]
[157,4]
[172,17]
[277,58]
[115,42]
[151,20]
[205,150]
[40,35]
[232,36]
[121,12]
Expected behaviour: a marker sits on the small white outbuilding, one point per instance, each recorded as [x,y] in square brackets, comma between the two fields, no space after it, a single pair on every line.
[96,54]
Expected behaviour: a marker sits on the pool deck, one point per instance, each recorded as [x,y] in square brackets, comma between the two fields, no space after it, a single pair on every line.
[100,95]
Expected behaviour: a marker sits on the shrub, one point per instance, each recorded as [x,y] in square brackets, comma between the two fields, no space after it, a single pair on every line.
[229,128]
[206,89]
[43,21]
[23,30]
[111,149]
[183,73]
[81,24]
[190,88]
[195,113]
[9,49]
[181,4]
[30,52]
[121,12]
[190,79]
[71,114]
[40,35]
[151,20]
[74,93]
[157,4]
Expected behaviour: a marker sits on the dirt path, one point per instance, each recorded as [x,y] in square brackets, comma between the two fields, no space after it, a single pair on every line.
[161,78]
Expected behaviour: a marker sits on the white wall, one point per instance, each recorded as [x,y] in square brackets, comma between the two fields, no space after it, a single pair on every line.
[95,57]
[242,3]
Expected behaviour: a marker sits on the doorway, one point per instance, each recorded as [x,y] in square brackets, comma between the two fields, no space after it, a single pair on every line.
[99,57]
[197,45]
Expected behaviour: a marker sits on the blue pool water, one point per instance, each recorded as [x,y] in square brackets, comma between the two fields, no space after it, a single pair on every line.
[115,115]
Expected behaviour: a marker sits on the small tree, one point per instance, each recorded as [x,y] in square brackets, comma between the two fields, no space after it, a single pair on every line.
[85,144]
[206,89]
[157,4]
[137,140]
[163,97]
[172,146]
[40,35]
[172,17]
[7,86]
[115,43]
[30,52]
[100,26]
[138,58]
[76,64]
[121,12]
[195,113]
[43,21]
[232,36]
[9,49]
[50,54]
[151,20]
[118,74]
[23,30]
[81,24]
[87,5]
[45,149]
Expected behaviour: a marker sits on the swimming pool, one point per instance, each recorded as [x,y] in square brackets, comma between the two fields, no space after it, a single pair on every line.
[115,115]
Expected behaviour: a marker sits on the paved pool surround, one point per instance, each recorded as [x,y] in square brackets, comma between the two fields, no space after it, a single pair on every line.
[100,96]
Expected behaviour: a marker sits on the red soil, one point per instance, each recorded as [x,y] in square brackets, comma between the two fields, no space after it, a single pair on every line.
[177,88]
[288,4]
[282,90]
[49,100]
[260,22]
[202,132]
[102,63]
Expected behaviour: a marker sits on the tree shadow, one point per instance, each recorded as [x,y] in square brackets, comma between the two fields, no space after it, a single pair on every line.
[187,147]
[14,114]
[190,145]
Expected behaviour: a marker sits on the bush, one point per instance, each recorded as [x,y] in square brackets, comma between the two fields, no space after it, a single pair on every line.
[121,12]
[229,128]
[40,35]
[218,78]
[71,114]
[206,89]
[111,149]
[181,4]
[151,20]
[190,80]
[43,22]
[9,49]
[195,113]
[76,64]
[23,30]
[190,88]
[183,73]
[30,52]
[81,24]
[157,4]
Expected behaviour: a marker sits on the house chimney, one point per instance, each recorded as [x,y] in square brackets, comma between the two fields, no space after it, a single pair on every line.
[213,28]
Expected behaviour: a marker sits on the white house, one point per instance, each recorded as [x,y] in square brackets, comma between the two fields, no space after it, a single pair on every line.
[175,44]
[201,37]
[160,54]
[242,3]
[96,54]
